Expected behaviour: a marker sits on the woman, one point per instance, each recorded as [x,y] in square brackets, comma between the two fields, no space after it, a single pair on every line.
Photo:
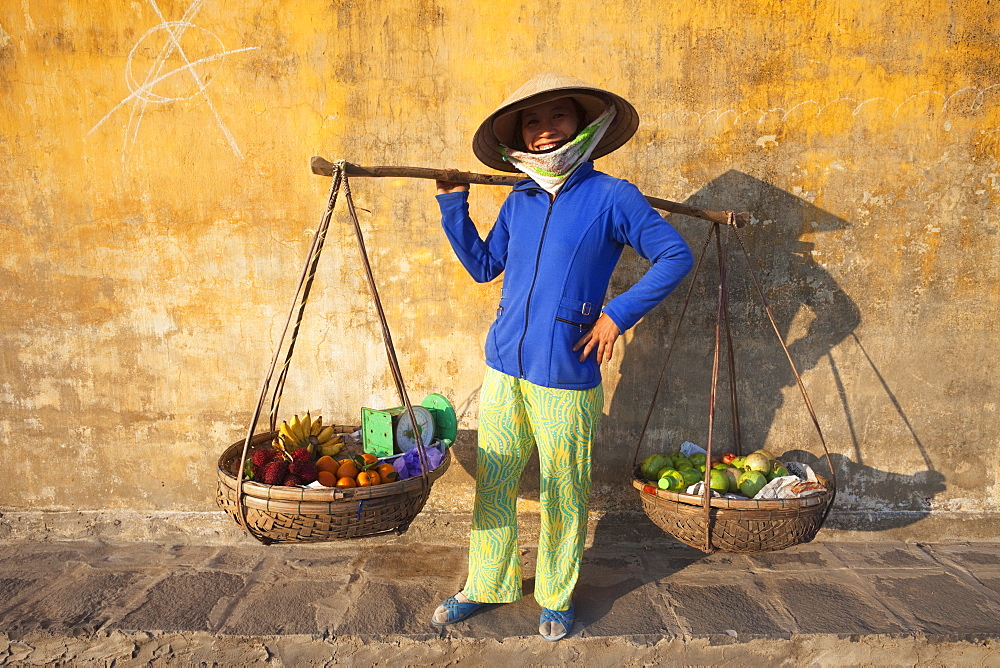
[557,239]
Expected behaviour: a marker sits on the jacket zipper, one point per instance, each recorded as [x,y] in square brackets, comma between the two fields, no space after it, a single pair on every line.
[531,290]
[575,324]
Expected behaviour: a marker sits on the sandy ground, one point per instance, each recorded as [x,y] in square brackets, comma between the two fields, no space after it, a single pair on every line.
[652,602]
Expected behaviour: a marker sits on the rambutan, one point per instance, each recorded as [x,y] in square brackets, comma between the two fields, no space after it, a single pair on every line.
[274,473]
[292,481]
[307,471]
[263,456]
[302,455]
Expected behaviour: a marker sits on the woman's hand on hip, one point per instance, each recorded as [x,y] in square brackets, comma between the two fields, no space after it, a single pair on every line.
[445,187]
[602,337]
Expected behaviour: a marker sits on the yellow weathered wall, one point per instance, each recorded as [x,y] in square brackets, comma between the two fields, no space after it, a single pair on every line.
[154,219]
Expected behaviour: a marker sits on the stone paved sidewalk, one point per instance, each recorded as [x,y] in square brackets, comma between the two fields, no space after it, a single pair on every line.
[368,602]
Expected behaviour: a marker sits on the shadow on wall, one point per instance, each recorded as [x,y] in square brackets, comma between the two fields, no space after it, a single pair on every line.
[793,282]
[797,286]
[799,289]
[872,499]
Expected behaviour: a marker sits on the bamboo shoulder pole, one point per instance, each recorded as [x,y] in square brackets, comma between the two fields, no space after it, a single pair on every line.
[324,167]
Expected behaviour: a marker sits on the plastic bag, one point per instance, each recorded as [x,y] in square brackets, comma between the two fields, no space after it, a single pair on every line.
[408,465]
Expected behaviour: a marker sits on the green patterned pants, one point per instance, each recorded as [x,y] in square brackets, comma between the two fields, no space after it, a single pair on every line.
[514,416]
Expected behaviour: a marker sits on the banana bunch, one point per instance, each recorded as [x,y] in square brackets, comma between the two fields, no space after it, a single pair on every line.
[308,433]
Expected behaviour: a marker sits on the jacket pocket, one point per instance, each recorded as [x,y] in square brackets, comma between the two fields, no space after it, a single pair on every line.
[578,313]
[573,319]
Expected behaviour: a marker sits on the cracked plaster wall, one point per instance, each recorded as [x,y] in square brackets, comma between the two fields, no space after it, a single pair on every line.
[156,207]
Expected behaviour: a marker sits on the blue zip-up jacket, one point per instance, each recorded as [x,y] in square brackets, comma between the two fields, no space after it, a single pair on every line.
[557,257]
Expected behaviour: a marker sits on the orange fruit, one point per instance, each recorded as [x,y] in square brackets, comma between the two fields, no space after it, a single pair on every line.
[346,482]
[368,478]
[327,479]
[347,469]
[369,458]
[327,463]
[387,472]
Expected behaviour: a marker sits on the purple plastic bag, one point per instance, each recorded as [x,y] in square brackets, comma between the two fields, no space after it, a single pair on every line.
[408,466]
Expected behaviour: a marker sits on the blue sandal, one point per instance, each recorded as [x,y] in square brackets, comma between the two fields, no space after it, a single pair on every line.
[457,610]
[564,617]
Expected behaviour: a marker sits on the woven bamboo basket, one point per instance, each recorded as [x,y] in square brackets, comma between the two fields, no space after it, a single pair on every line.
[277,514]
[735,525]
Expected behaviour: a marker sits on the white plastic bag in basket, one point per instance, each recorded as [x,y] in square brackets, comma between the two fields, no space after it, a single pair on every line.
[802,483]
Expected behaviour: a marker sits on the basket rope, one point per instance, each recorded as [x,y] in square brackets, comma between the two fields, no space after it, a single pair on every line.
[722,324]
[340,183]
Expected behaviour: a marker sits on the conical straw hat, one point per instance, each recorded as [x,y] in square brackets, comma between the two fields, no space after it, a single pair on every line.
[499,127]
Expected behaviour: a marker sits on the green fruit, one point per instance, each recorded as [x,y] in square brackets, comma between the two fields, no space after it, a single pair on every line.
[758,461]
[682,463]
[671,480]
[779,470]
[652,464]
[719,482]
[720,466]
[739,462]
[698,458]
[751,482]
[732,475]
[700,467]
[691,477]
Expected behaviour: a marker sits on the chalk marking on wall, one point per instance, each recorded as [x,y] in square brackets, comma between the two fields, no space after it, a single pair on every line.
[197,79]
[182,25]
[858,108]
[138,110]
[134,118]
[718,115]
[137,93]
[143,94]
[819,108]
[944,104]
[977,102]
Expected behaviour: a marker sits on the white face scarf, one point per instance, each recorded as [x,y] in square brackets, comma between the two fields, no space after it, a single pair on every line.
[551,168]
